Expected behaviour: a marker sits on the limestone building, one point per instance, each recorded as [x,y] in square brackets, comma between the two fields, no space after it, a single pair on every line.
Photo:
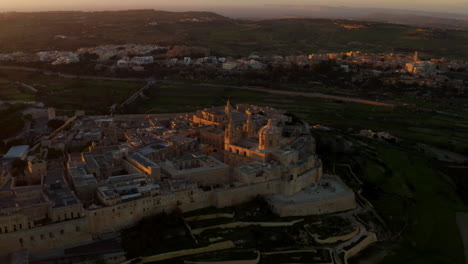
[216,157]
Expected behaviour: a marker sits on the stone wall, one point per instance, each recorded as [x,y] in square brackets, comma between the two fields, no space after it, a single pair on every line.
[170,255]
[97,221]
[301,204]
[360,247]
[334,239]
[248,261]
[119,216]
[229,197]
[46,237]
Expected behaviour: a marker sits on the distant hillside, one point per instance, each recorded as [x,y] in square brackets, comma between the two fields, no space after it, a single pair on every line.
[419,20]
[32,32]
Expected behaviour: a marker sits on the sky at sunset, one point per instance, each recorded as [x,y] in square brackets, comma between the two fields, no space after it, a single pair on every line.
[41,5]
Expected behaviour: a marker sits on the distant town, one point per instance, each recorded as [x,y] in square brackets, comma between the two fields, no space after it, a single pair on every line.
[391,68]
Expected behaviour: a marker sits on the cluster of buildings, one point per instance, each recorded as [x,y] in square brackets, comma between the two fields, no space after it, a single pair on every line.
[137,166]
[103,53]
[58,57]
[107,52]
[393,68]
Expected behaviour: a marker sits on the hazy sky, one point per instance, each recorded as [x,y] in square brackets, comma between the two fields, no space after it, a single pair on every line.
[33,5]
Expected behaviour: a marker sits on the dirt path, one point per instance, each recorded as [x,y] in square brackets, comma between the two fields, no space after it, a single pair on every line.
[462,221]
[303,94]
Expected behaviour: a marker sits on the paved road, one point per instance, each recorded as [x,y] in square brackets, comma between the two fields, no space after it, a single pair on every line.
[137,94]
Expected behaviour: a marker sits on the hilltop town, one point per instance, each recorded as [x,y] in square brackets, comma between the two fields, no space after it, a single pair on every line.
[137,166]
[144,136]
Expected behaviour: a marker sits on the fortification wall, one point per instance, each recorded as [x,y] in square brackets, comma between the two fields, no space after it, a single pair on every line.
[116,217]
[38,239]
[343,202]
[229,197]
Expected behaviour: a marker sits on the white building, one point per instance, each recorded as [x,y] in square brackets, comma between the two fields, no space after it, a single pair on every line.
[142,60]
[123,63]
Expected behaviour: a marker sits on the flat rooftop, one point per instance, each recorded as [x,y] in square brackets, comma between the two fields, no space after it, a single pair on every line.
[17,152]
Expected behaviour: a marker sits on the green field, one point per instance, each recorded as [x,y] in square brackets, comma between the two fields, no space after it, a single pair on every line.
[418,202]
[94,96]
[10,91]
[223,36]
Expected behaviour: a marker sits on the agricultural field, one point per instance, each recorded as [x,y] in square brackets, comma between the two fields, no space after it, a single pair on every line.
[94,96]
[10,91]
[419,203]
[222,35]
